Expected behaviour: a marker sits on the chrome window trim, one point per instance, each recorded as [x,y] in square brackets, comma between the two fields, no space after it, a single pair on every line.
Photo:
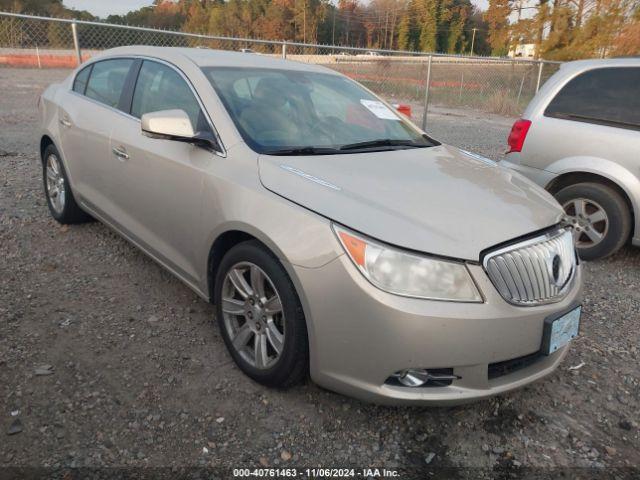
[549,235]
[221,153]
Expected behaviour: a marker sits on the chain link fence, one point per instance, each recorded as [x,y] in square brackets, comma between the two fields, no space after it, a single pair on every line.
[497,85]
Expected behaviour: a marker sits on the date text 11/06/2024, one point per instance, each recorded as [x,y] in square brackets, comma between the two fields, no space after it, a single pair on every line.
[315,473]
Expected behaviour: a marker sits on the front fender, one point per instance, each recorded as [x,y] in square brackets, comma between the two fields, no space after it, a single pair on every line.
[291,256]
[297,236]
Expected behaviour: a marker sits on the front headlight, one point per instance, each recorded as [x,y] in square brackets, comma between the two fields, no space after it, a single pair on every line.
[408,274]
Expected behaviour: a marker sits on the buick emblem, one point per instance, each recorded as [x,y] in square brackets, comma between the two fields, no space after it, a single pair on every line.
[555,268]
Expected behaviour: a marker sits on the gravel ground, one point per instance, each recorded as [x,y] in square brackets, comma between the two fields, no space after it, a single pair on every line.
[106,360]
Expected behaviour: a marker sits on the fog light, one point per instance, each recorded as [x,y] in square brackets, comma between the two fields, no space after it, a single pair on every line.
[414,377]
[422,377]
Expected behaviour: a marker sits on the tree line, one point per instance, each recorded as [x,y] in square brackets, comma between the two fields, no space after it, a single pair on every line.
[565,29]
[559,29]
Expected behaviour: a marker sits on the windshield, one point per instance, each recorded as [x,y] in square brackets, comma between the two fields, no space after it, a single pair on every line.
[297,112]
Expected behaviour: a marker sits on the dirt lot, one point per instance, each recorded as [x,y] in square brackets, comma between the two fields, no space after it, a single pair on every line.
[139,375]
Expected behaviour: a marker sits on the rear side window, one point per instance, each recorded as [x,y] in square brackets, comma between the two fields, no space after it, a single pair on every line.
[160,87]
[80,83]
[107,80]
[607,96]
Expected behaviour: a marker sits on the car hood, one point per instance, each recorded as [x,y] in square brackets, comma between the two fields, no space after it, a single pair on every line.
[438,200]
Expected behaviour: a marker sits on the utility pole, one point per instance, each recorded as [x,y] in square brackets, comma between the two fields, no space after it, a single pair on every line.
[348,27]
[333,30]
[519,10]
[473,39]
[386,29]
[304,21]
[393,27]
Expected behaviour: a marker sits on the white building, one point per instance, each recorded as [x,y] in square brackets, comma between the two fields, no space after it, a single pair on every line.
[524,50]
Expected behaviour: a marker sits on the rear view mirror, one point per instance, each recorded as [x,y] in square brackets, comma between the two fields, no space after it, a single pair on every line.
[168,124]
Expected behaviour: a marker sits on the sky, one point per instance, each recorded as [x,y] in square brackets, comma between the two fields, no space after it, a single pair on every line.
[103,8]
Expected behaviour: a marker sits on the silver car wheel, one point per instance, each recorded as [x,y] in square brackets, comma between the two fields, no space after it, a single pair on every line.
[252,314]
[56,187]
[589,220]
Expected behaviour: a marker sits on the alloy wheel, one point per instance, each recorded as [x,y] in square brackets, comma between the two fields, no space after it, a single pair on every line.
[253,315]
[56,187]
[589,220]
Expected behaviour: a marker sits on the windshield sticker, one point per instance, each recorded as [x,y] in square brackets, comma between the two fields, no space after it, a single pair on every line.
[379,109]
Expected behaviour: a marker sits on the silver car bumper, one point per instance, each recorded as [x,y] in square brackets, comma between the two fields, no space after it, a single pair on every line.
[360,336]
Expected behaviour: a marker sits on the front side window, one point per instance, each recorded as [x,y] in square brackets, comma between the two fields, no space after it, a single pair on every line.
[80,82]
[609,96]
[160,87]
[107,80]
[287,111]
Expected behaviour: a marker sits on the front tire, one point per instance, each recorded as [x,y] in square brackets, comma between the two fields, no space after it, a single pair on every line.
[260,316]
[60,199]
[600,217]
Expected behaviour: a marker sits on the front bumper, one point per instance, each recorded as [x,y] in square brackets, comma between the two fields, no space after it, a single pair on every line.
[360,335]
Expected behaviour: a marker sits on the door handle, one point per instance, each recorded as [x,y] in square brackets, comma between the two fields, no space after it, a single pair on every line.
[120,152]
[65,123]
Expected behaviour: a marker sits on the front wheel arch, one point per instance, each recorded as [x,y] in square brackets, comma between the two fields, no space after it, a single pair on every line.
[45,141]
[222,244]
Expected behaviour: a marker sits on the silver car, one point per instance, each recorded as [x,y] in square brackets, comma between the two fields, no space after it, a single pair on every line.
[334,237]
[580,139]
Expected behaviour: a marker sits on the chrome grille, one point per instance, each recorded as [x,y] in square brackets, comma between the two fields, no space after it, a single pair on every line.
[535,271]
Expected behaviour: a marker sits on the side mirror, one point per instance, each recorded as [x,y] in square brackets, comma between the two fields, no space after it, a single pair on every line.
[175,125]
[168,124]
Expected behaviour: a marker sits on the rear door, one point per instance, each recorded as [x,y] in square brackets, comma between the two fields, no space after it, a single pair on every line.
[86,115]
[159,183]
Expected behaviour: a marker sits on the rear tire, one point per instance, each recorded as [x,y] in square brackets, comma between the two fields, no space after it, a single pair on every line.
[57,189]
[585,201]
[267,313]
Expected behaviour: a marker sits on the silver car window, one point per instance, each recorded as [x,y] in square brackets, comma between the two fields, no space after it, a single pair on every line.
[159,87]
[80,82]
[107,80]
[603,95]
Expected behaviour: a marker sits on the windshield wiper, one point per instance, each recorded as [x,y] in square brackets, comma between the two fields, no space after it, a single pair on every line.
[384,142]
[303,151]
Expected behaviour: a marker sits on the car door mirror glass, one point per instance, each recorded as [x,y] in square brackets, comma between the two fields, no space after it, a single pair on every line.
[168,124]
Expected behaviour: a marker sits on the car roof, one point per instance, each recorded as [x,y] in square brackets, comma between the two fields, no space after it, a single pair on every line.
[205,57]
[580,65]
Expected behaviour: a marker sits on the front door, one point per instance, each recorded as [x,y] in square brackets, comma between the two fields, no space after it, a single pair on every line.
[159,183]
